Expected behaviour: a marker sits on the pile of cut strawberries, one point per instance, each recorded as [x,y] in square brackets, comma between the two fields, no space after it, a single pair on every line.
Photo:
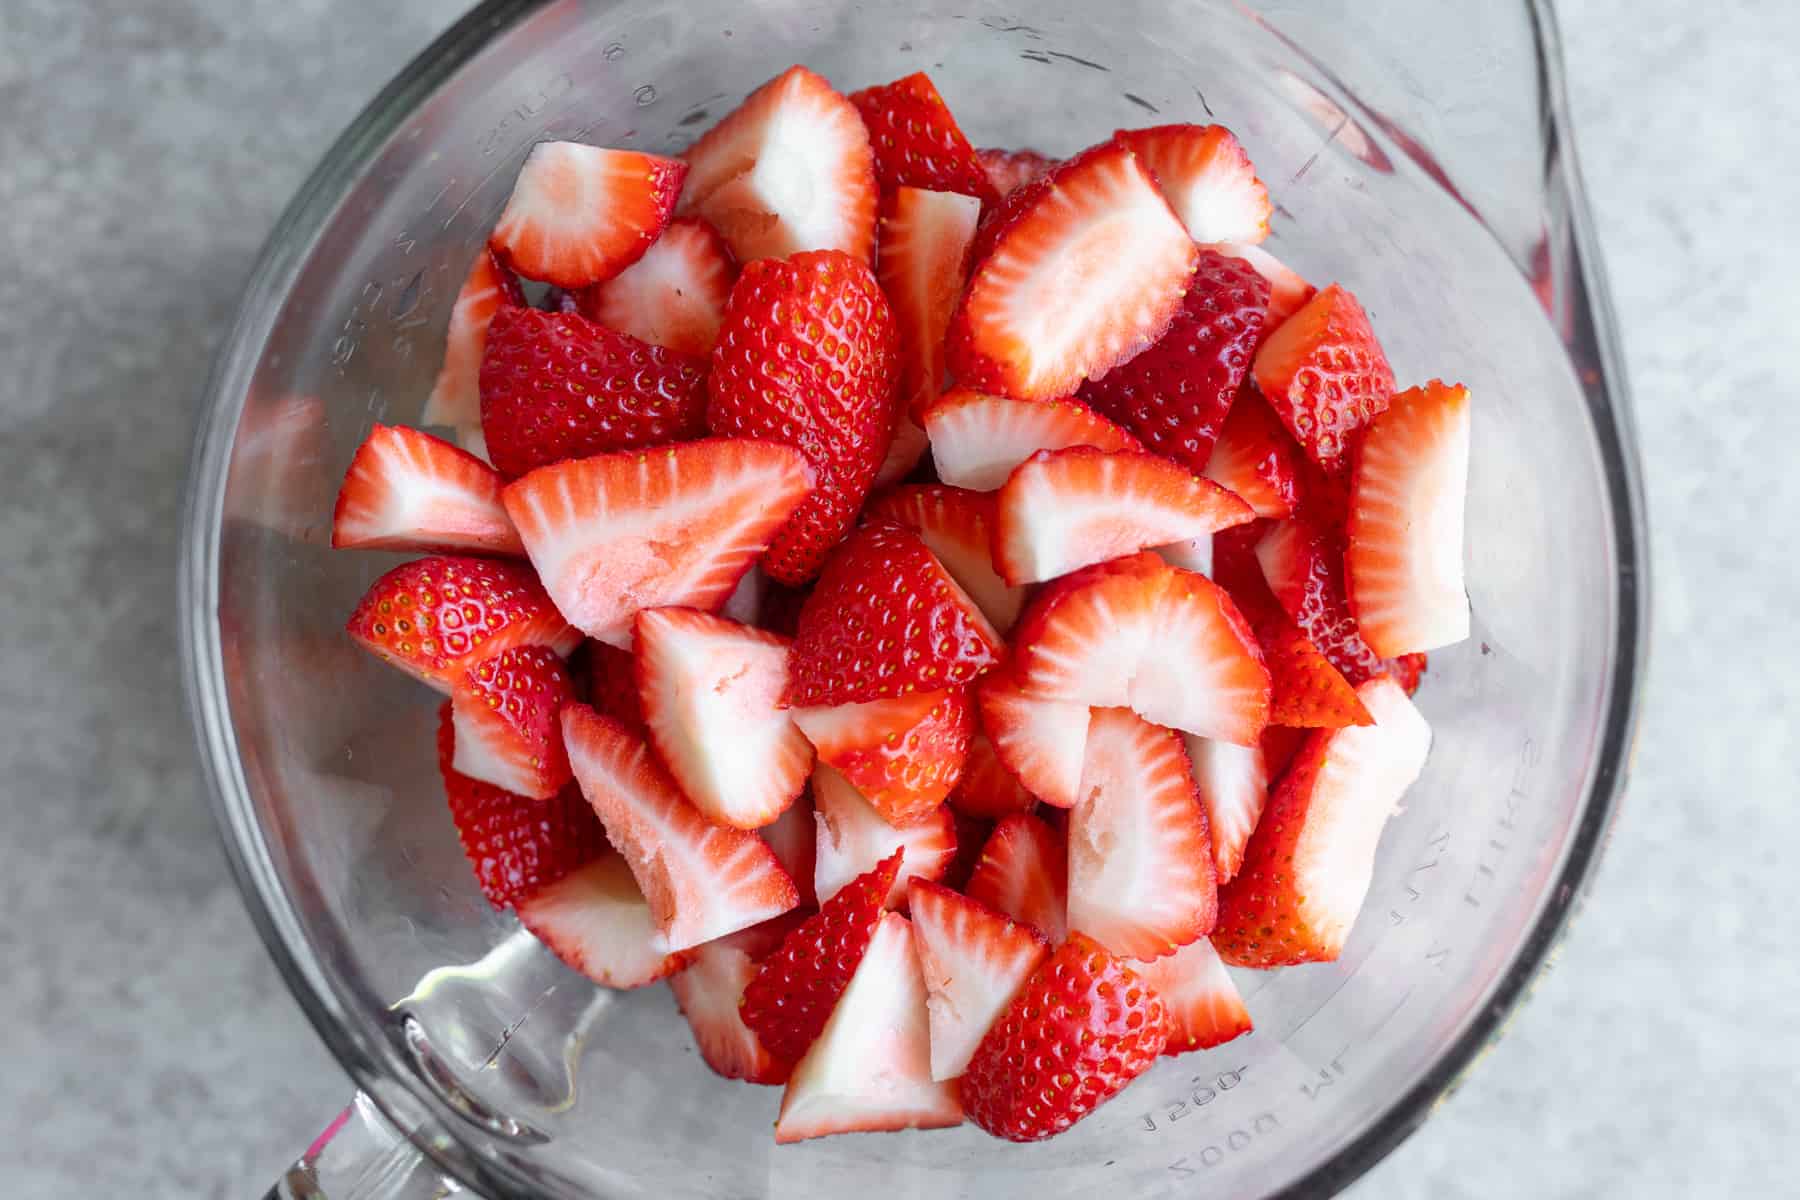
[934,606]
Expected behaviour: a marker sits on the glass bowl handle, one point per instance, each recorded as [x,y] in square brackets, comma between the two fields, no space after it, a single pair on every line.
[362,1156]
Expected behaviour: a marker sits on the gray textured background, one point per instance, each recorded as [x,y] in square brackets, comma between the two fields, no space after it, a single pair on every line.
[150,1051]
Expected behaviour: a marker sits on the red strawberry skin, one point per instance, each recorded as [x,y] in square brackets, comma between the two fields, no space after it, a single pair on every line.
[1326,376]
[513,702]
[1256,457]
[1312,591]
[556,386]
[808,355]
[1175,395]
[917,142]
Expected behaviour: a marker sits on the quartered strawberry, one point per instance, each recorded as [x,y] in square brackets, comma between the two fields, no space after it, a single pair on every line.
[870,1068]
[903,754]
[853,837]
[1086,276]
[987,790]
[710,990]
[917,142]
[1083,1027]
[1325,376]
[904,453]
[807,356]
[508,714]
[455,398]
[1409,486]
[407,490]
[1061,510]
[956,525]
[1303,562]
[1208,180]
[974,961]
[1039,739]
[674,296]
[711,692]
[977,439]
[1010,170]
[790,169]
[924,243]
[1310,862]
[580,214]
[1141,877]
[556,386]
[1233,782]
[434,616]
[788,1000]
[618,533]
[598,923]
[1024,873]
[610,678]
[886,620]
[1176,394]
[1203,1004]
[1256,457]
[702,880]
[794,837]
[1287,289]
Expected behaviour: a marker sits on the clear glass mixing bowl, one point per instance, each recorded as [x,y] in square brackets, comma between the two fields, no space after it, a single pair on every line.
[1417,150]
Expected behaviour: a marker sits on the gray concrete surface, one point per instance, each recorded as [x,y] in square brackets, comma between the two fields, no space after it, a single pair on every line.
[150,1049]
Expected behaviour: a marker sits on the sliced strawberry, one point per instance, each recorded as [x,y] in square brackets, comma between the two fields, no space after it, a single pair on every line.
[1280,743]
[674,296]
[997,219]
[710,991]
[455,398]
[702,880]
[974,960]
[1204,1007]
[1312,857]
[852,838]
[1208,180]
[432,617]
[977,440]
[1085,277]
[823,384]
[870,1068]
[957,526]
[1404,564]
[917,142]
[924,243]
[711,692]
[790,169]
[1233,782]
[507,709]
[1010,170]
[788,1000]
[610,675]
[1303,562]
[580,214]
[794,837]
[556,386]
[1081,1028]
[678,525]
[1325,376]
[597,922]
[886,620]
[1256,458]
[988,791]
[1038,739]
[1066,509]
[407,490]
[1024,873]
[903,754]
[1287,289]
[904,453]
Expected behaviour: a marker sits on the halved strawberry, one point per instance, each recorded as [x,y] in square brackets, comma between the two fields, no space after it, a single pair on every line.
[1203,1004]
[609,676]
[1081,1028]
[977,439]
[870,1068]
[903,755]
[807,356]
[1404,562]
[1287,289]
[1086,276]
[455,397]
[580,214]
[790,169]
[924,244]
[1010,170]
[987,790]
[886,620]
[674,296]
[1039,739]
[432,617]
[1024,873]
[407,490]
[794,837]
[702,880]
[1208,179]
[1175,395]
[1256,457]
[1066,509]
[1312,857]
[711,693]
[1325,376]
[904,453]
[1141,878]
[957,526]
[508,714]
[975,960]
[1233,782]
[598,923]
[618,533]
[556,386]
[853,837]
[917,142]
[1303,562]
[710,990]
